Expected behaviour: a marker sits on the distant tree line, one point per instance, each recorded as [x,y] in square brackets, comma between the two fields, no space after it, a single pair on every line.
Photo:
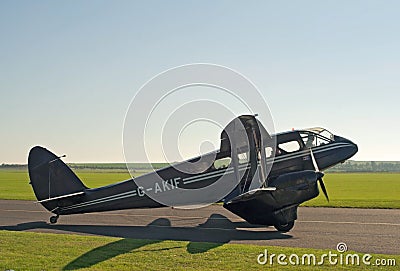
[13,166]
[366,166]
[119,166]
[110,166]
[348,166]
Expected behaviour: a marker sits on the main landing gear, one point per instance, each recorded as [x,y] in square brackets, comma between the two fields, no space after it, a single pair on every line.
[53,219]
[284,227]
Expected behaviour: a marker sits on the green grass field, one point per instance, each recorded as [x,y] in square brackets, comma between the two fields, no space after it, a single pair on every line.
[72,252]
[363,190]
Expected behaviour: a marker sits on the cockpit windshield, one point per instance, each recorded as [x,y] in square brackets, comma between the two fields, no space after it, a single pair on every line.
[322,132]
[314,137]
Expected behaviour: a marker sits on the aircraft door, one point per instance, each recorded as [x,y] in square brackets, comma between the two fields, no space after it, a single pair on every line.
[244,138]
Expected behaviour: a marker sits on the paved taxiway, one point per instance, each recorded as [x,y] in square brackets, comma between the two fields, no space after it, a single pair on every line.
[363,230]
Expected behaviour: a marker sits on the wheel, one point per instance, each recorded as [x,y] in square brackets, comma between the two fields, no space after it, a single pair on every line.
[53,219]
[284,227]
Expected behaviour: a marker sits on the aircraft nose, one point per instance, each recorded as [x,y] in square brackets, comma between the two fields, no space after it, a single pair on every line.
[355,148]
[351,148]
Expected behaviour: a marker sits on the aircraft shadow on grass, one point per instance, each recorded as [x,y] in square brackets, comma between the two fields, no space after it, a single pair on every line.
[216,231]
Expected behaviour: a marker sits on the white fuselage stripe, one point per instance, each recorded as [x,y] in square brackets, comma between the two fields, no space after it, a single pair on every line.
[100,200]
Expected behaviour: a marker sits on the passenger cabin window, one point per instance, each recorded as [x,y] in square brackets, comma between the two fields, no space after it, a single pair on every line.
[243,158]
[222,163]
[269,152]
[290,146]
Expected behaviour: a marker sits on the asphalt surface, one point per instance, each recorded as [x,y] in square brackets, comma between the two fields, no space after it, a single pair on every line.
[363,230]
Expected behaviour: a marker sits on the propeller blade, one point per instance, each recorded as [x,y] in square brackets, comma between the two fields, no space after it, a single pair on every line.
[314,161]
[323,188]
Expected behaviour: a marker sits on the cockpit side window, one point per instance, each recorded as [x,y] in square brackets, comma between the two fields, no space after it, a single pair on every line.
[311,139]
[322,140]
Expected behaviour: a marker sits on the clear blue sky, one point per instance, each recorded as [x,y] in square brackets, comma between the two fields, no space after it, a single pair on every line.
[69,69]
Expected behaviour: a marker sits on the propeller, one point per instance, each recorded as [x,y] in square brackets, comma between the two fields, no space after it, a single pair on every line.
[320,175]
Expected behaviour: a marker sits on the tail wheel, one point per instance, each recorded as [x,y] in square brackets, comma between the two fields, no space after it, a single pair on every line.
[284,227]
[53,219]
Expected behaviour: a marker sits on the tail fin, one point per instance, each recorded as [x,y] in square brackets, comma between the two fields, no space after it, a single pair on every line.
[51,178]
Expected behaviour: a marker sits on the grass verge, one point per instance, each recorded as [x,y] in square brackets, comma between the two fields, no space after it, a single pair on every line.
[44,251]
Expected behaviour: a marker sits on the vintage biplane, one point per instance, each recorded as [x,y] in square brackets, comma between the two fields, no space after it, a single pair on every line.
[272,175]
